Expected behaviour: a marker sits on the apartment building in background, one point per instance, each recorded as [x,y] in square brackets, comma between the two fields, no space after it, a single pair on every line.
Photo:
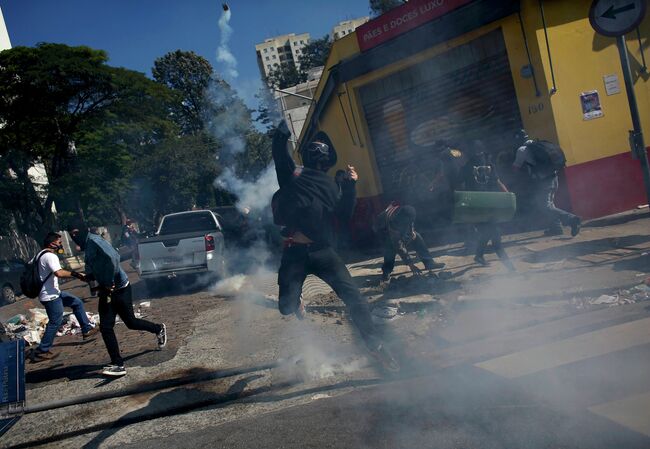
[347,27]
[294,102]
[285,49]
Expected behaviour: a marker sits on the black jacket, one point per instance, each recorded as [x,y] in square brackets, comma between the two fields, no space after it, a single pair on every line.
[310,201]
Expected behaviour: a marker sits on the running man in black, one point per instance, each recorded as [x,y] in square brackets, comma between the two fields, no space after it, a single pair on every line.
[307,204]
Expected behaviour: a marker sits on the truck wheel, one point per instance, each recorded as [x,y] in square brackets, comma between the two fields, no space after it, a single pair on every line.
[8,294]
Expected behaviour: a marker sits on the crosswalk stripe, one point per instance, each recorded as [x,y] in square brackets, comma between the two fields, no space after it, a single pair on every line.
[574,349]
[631,412]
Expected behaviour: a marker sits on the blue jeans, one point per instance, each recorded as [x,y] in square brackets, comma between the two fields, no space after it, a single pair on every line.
[554,216]
[54,310]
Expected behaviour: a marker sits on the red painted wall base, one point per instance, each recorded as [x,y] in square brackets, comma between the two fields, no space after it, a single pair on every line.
[605,186]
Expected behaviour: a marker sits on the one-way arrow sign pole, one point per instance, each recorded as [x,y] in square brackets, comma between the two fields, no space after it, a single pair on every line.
[636,136]
[609,18]
[611,12]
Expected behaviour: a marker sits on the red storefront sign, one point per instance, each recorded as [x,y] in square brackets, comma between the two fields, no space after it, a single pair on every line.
[402,19]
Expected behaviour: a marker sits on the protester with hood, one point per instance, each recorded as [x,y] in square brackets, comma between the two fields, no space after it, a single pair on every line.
[544,176]
[480,174]
[115,296]
[54,300]
[307,205]
[395,227]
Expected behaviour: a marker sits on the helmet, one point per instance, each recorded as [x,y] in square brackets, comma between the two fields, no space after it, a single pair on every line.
[319,154]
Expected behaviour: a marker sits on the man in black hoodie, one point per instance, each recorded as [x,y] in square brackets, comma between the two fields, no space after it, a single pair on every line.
[308,203]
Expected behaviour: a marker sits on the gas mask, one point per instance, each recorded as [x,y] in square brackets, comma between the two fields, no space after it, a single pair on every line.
[318,156]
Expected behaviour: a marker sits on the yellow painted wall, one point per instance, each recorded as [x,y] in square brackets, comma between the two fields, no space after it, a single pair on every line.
[580,60]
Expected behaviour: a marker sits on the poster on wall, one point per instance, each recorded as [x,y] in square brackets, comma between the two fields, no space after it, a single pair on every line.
[590,102]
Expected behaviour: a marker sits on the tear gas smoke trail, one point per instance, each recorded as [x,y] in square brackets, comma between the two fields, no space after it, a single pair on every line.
[224,55]
[256,196]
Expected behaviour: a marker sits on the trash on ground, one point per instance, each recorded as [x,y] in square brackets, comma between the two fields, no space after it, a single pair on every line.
[319,396]
[70,325]
[385,312]
[638,293]
[145,304]
[604,299]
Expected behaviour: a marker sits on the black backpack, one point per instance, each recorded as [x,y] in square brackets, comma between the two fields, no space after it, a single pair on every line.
[30,281]
[548,156]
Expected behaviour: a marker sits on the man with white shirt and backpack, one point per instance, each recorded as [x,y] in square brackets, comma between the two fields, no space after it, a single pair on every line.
[49,270]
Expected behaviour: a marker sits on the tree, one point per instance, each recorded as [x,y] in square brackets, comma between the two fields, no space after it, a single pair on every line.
[46,94]
[109,146]
[286,75]
[315,53]
[173,176]
[379,7]
[84,121]
[189,75]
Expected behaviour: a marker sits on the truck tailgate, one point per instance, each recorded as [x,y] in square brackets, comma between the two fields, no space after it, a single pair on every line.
[170,252]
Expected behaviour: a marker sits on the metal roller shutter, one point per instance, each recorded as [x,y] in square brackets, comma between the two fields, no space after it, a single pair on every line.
[460,96]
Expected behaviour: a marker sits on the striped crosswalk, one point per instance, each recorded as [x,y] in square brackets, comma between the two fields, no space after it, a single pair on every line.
[574,349]
[546,361]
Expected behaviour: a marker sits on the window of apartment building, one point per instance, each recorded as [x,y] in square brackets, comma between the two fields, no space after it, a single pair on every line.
[266,50]
[268,66]
[301,42]
[267,58]
[274,57]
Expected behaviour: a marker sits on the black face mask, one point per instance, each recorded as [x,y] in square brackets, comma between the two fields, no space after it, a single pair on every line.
[80,239]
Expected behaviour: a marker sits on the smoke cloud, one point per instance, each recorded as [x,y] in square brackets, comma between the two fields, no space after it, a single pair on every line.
[224,56]
[256,196]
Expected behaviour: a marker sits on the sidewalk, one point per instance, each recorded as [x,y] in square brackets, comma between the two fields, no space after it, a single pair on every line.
[608,254]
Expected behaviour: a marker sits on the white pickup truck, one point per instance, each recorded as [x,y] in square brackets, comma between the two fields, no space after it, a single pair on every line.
[186,243]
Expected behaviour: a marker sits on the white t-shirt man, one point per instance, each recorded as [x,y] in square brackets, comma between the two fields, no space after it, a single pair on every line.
[49,263]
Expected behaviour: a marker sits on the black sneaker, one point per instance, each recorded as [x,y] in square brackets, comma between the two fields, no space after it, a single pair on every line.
[575,226]
[114,371]
[385,358]
[162,336]
[481,261]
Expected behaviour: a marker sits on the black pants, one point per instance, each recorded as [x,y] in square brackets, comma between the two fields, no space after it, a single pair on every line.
[120,303]
[390,253]
[300,260]
[490,232]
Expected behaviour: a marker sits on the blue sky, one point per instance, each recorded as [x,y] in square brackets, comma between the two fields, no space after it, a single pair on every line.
[135,32]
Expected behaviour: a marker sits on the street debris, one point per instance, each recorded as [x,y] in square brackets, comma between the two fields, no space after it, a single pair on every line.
[605,299]
[633,295]
[31,328]
[320,396]
[385,312]
[70,324]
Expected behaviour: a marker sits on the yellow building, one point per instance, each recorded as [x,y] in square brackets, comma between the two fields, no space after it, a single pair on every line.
[468,70]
